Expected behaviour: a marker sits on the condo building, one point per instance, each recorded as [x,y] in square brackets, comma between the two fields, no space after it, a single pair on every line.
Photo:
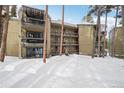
[25,36]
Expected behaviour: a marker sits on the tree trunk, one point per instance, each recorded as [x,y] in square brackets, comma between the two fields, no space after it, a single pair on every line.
[123,27]
[4,35]
[105,33]
[98,31]
[113,48]
[94,42]
[0,24]
[62,31]
[109,44]
[45,34]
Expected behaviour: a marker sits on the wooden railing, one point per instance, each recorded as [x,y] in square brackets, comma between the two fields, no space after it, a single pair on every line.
[65,35]
[32,20]
[32,40]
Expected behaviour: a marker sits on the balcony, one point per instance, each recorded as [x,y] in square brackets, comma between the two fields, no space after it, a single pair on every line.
[67,44]
[33,24]
[65,34]
[55,34]
[33,20]
[25,44]
[32,40]
[73,43]
[70,35]
[70,44]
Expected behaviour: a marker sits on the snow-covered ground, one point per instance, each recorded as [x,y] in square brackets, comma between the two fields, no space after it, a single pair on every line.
[62,71]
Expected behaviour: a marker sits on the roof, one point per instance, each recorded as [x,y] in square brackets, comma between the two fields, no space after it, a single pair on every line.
[119,25]
[87,23]
[32,7]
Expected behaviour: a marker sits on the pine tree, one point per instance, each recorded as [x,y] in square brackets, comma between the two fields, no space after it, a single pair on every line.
[4,34]
[0,24]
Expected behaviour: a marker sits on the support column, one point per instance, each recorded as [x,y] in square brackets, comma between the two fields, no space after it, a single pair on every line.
[45,34]
[62,31]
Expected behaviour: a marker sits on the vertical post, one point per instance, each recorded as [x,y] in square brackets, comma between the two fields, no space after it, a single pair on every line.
[104,43]
[123,27]
[109,44]
[94,41]
[113,41]
[45,33]
[4,35]
[0,24]
[99,43]
[98,30]
[105,33]
[62,31]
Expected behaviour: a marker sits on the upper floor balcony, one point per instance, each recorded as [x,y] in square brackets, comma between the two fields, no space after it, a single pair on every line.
[33,24]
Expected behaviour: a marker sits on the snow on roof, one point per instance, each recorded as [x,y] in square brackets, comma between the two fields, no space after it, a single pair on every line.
[119,25]
[87,23]
[65,23]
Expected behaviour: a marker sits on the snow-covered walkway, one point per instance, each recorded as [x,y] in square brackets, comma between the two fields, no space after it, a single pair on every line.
[62,71]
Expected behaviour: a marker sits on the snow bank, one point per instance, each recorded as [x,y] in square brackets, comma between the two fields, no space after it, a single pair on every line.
[62,71]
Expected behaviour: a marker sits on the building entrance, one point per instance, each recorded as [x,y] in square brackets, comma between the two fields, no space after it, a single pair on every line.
[34,52]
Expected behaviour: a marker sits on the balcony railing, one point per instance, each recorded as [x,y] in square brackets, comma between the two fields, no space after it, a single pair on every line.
[32,40]
[71,35]
[55,34]
[65,35]
[25,44]
[66,43]
[32,20]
